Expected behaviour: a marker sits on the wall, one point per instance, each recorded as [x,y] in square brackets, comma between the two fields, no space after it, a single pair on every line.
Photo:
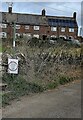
[44,30]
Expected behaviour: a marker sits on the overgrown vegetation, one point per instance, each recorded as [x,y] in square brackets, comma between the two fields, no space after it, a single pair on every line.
[0,47]
[63,80]
[18,87]
[42,66]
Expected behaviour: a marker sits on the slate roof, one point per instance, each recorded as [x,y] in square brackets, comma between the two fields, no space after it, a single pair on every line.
[31,19]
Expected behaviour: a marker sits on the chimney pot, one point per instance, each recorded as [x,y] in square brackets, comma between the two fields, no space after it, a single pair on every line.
[10,9]
[74,15]
[43,12]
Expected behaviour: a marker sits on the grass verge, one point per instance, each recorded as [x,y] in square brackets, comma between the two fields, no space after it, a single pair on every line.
[20,87]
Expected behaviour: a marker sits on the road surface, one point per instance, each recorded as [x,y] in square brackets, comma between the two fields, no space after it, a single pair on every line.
[63,102]
[0,83]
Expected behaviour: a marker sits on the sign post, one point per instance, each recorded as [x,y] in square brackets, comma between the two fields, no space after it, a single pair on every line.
[14,35]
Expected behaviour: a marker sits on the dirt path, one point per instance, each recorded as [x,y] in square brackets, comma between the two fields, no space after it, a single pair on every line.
[63,102]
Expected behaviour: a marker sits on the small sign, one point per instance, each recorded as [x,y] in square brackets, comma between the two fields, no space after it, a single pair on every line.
[13,66]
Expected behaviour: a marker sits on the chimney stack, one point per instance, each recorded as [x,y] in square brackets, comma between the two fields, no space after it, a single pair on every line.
[43,12]
[10,7]
[74,15]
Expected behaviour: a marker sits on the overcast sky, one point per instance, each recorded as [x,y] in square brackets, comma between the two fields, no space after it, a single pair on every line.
[52,8]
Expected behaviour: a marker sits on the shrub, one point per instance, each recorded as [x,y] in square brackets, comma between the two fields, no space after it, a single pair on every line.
[35,88]
[5,99]
[52,85]
[18,87]
[63,80]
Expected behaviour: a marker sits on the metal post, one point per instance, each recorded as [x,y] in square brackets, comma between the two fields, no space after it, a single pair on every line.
[14,35]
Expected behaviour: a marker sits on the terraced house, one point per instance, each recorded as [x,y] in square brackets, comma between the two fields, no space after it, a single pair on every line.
[42,26]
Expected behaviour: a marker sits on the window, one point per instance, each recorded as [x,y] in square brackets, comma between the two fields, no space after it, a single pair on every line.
[26,27]
[71,37]
[54,36]
[17,26]
[62,36]
[53,28]
[71,29]
[3,35]
[62,29]
[27,34]
[17,35]
[36,35]
[36,27]
[3,25]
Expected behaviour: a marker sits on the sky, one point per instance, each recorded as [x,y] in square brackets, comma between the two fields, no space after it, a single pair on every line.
[52,8]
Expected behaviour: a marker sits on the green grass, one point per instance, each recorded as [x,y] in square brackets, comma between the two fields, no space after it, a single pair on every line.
[64,79]
[52,85]
[18,87]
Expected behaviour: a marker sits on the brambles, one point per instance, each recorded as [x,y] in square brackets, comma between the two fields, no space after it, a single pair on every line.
[42,66]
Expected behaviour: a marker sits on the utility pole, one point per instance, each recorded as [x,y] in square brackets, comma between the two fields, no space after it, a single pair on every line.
[14,31]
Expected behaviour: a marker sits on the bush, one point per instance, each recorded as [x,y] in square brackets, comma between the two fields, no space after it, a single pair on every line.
[63,80]
[16,84]
[5,99]
[20,86]
[35,88]
[52,85]
[34,41]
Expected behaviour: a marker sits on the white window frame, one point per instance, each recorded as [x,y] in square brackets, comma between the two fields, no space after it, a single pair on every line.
[26,27]
[53,36]
[3,35]
[71,29]
[53,28]
[36,35]
[3,25]
[17,26]
[63,36]
[17,35]
[27,34]
[36,27]
[63,29]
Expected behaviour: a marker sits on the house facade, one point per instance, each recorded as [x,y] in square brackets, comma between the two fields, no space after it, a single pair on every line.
[40,26]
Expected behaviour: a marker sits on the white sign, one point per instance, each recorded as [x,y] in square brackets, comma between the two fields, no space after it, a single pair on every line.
[13,66]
